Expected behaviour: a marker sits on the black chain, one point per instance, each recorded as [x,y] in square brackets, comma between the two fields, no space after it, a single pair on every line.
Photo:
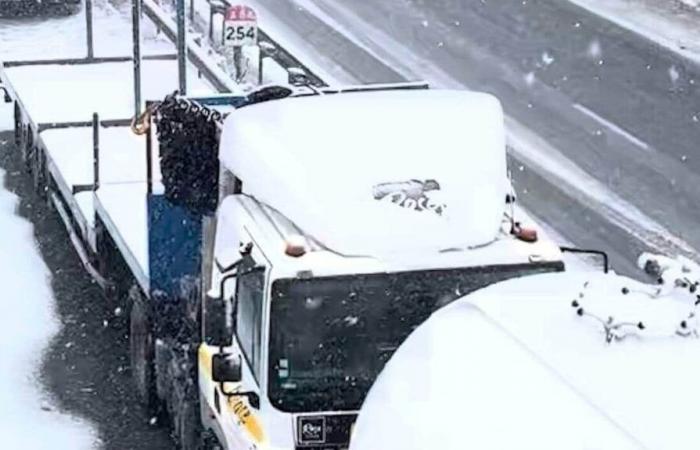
[188,140]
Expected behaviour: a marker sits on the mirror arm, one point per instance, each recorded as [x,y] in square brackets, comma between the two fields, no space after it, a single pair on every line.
[253,397]
[231,266]
[6,96]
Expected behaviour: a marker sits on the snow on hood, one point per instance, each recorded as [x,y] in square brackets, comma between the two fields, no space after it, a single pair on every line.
[370,173]
[515,366]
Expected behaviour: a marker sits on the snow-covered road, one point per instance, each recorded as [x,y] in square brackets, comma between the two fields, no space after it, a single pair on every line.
[26,38]
[29,418]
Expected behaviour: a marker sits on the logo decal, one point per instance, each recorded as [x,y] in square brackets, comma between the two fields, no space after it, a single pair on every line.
[312,430]
[412,194]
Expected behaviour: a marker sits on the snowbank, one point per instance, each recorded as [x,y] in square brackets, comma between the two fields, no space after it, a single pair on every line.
[662,21]
[6,118]
[27,324]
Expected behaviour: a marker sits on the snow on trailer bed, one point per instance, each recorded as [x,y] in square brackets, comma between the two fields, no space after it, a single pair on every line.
[78,91]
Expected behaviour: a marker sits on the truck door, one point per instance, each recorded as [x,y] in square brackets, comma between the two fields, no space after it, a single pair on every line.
[239,416]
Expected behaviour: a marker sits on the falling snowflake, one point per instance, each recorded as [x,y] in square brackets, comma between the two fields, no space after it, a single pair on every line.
[530,78]
[594,50]
[673,73]
[547,59]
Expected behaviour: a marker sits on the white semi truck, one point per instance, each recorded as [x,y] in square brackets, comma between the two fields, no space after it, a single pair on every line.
[358,215]
[273,261]
[572,360]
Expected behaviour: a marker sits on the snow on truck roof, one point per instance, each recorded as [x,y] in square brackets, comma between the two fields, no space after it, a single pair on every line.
[362,172]
[515,366]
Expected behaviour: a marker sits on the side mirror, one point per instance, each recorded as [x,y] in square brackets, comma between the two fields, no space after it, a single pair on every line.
[225,368]
[217,331]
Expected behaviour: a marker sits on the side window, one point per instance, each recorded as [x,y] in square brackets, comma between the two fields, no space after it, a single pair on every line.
[249,300]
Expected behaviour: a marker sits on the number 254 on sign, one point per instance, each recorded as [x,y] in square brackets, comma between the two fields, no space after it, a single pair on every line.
[240,27]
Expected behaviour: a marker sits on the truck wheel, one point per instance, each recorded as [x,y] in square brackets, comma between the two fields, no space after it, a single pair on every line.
[141,356]
[38,173]
[18,125]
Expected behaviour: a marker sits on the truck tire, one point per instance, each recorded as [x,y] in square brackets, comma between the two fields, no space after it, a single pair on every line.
[141,356]
[18,125]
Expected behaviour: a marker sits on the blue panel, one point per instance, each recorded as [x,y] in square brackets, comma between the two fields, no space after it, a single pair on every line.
[174,246]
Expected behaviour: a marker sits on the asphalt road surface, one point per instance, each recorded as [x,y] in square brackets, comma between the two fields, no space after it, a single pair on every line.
[86,367]
[618,106]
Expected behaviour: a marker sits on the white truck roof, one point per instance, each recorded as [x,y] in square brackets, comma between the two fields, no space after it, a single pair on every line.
[514,366]
[370,173]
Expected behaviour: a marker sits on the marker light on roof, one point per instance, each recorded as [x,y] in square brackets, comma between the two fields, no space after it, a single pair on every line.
[524,234]
[295,246]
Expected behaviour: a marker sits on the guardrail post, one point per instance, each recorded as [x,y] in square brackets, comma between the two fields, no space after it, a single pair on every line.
[265,49]
[88,22]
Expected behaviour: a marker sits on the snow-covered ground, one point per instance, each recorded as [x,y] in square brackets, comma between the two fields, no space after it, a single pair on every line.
[670,23]
[28,418]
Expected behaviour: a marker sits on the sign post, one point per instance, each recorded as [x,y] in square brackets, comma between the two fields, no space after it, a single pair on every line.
[240,29]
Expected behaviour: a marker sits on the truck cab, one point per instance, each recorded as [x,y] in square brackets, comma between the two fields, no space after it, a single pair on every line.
[344,222]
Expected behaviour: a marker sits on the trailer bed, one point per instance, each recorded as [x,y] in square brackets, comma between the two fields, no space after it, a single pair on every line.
[65,140]
[103,88]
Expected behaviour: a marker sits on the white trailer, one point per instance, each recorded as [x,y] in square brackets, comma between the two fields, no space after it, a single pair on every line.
[569,360]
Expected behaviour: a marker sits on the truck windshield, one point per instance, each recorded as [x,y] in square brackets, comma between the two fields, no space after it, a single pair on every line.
[330,337]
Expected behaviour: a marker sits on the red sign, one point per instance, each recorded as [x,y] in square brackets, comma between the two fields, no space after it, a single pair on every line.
[239,13]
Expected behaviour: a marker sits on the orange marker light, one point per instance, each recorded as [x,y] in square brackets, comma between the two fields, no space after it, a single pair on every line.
[295,246]
[524,234]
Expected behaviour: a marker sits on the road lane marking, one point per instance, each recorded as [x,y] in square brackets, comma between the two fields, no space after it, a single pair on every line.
[612,127]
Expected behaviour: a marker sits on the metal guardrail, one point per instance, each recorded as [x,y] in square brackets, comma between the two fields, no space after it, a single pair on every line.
[271,48]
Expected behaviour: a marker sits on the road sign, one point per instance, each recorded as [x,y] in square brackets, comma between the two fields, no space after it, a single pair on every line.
[240,26]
